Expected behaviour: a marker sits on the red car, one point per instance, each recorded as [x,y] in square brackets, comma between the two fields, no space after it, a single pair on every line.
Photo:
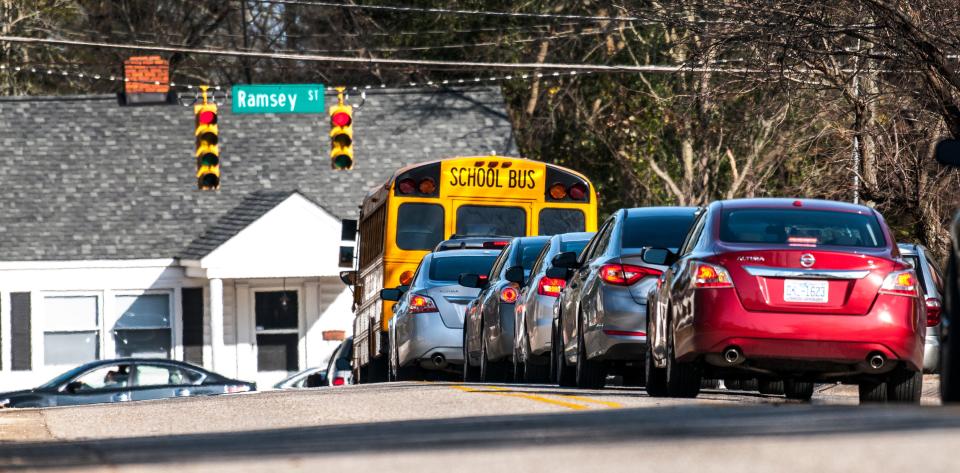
[786,291]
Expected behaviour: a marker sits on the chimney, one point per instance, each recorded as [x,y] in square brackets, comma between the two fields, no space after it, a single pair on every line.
[148,80]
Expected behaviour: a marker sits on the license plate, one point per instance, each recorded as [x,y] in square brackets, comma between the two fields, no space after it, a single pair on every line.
[816,292]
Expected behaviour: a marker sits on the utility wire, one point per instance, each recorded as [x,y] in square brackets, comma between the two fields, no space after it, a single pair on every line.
[394,8]
[405,62]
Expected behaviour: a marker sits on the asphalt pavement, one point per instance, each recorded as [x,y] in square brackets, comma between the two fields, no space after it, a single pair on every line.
[478,427]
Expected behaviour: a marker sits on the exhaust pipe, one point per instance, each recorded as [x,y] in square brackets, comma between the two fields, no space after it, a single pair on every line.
[877,361]
[438,360]
[733,356]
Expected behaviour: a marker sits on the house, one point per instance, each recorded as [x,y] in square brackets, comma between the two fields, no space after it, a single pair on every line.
[107,248]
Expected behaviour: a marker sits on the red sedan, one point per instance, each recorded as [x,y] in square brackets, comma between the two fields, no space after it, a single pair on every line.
[787,291]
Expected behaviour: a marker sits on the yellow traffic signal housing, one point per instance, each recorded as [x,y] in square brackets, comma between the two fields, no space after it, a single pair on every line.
[341,136]
[207,135]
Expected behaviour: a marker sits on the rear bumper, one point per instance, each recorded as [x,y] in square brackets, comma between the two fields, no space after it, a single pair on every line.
[895,327]
[428,336]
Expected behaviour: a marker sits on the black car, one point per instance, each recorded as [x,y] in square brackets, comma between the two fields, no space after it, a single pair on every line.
[126,379]
[948,153]
[488,325]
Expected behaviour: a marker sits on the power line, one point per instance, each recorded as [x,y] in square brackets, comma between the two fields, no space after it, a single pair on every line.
[652,68]
[393,8]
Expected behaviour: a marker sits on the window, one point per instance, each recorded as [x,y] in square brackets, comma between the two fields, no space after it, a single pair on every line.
[541,260]
[801,228]
[476,220]
[143,328]
[600,241]
[449,268]
[554,221]
[575,246]
[419,226]
[71,330]
[499,264]
[529,253]
[163,375]
[659,231]
[104,377]
[277,315]
[694,236]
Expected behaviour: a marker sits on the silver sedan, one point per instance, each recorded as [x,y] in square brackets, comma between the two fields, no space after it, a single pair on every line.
[426,332]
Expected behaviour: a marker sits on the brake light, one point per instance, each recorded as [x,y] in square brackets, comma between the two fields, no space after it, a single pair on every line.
[422,304]
[711,276]
[933,312]
[338,381]
[550,286]
[508,295]
[495,244]
[406,186]
[900,283]
[578,191]
[625,274]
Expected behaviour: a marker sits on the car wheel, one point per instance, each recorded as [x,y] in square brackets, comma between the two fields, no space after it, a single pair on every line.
[798,390]
[750,384]
[872,391]
[566,374]
[591,374]
[656,378]
[495,372]
[519,367]
[409,373]
[905,386]
[710,384]
[536,372]
[470,373]
[949,364]
[683,379]
[732,384]
[770,386]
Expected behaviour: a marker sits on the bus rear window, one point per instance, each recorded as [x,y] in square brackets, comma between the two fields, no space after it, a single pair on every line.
[555,221]
[449,268]
[419,226]
[477,220]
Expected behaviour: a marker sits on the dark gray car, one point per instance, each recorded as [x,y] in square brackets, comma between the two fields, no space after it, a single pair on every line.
[488,328]
[602,313]
[127,379]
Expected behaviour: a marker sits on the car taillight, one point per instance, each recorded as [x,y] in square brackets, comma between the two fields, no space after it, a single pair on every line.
[230,388]
[495,244]
[338,381]
[711,276]
[933,312]
[900,283]
[625,274]
[508,295]
[550,286]
[422,304]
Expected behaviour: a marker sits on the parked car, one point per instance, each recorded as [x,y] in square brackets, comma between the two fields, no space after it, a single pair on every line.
[126,379]
[948,153]
[426,331]
[339,371]
[309,378]
[488,328]
[798,291]
[601,316]
[534,309]
[931,282]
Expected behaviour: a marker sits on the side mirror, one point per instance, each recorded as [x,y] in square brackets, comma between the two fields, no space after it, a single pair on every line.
[348,277]
[567,259]
[345,260]
[391,294]
[558,273]
[658,256]
[478,281]
[947,152]
[515,274]
[348,230]
[73,387]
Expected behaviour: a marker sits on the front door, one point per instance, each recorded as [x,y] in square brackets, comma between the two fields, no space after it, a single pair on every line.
[278,332]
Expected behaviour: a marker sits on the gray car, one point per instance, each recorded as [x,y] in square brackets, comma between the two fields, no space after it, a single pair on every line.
[931,278]
[602,313]
[488,330]
[426,332]
[534,309]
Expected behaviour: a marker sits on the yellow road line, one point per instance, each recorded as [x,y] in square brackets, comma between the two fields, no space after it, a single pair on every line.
[501,391]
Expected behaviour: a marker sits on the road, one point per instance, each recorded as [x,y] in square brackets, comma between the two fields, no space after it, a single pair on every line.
[420,427]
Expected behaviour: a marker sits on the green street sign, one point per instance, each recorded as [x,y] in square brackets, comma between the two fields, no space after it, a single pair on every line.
[278,98]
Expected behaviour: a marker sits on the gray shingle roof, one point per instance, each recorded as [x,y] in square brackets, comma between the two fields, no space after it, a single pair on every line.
[83,178]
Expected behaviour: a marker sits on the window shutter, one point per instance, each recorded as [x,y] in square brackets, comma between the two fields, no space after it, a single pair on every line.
[192,301]
[20,331]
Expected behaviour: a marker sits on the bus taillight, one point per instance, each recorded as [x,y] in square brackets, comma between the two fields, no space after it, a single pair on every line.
[427,186]
[578,191]
[406,186]
[558,191]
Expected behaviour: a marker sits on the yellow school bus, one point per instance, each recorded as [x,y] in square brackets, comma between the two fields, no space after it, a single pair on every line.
[424,204]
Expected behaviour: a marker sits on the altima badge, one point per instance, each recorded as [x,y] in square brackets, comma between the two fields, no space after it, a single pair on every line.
[807,260]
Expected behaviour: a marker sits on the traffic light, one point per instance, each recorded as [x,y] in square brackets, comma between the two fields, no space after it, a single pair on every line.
[208,150]
[341,135]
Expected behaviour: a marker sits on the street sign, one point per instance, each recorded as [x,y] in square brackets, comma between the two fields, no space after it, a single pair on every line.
[278,98]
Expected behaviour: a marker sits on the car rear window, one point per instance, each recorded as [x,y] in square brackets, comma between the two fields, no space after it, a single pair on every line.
[574,246]
[665,231]
[449,268]
[801,228]
[529,253]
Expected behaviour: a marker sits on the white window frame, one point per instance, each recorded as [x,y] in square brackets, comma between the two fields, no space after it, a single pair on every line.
[300,330]
[171,316]
[40,324]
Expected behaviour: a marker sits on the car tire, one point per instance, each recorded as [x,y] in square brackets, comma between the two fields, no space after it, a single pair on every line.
[905,386]
[655,379]
[633,377]
[566,374]
[949,353]
[518,367]
[536,372]
[872,391]
[683,379]
[491,371]
[751,384]
[409,373]
[770,386]
[732,384]
[710,383]
[798,390]
[471,374]
[591,374]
